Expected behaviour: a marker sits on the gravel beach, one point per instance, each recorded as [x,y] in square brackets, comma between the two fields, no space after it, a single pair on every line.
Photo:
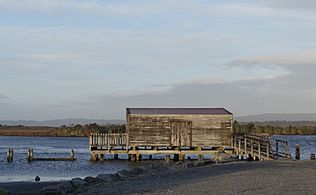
[270,177]
[265,177]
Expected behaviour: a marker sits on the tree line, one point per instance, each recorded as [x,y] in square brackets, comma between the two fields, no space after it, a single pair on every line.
[68,131]
[276,127]
[268,127]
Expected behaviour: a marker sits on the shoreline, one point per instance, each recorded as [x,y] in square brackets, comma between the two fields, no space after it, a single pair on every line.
[17,187]
[184,177]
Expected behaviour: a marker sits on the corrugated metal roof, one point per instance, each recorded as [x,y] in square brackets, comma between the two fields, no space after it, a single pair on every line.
[202,111]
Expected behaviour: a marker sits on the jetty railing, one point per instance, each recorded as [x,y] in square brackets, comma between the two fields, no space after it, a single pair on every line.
[108,139]
[280,149]
[260,147]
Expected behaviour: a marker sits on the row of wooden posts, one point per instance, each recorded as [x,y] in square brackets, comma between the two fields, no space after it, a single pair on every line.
[30,156]
[139,157]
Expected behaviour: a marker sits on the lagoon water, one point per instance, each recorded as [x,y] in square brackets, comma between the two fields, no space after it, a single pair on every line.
[307,144]
[21,170]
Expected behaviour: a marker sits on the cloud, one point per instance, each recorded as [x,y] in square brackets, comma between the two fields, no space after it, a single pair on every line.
[163,7]
[297,58]
[304,5]
[241,97]
[294,91]
[302,63]
[92,7]
[3,96]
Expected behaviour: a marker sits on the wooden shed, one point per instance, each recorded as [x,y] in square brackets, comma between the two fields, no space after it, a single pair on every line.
[190,127]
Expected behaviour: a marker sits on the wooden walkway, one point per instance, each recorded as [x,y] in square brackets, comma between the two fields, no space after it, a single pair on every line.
[247,146]
[260,148]
[116,144]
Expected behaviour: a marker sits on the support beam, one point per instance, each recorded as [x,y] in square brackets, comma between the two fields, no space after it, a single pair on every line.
[251,148]
[245,143]
[167,158]
[268,151]
[138,157]
[239,146]
[259,150]
[276,149]
[297,152]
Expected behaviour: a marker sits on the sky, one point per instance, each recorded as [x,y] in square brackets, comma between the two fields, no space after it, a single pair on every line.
[93,58]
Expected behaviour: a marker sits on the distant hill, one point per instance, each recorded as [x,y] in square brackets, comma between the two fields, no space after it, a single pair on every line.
[60,122]
[278,117]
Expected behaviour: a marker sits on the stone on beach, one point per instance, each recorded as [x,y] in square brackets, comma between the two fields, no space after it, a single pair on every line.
[106,177]
[92,179]
[62,188]
[4,191]
[78,183]
[136,171]
[123,173]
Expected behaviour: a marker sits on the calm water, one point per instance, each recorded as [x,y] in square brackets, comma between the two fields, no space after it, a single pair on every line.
[21,170]
[307,144]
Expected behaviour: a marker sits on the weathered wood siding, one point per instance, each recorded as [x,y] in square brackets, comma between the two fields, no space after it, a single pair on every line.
[179,130]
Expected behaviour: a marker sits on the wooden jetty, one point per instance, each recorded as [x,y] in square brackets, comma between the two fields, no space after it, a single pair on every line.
[247,146]
[260,148]
[116,144]
[180,132]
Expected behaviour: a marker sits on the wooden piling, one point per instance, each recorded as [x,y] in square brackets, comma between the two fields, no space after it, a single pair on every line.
[313,157]
[245,142]
[259,150]
[176,157]
[133,157]
[72,153]
[251,148]
[10,155]
[268,151]
[138,157]
[30,155]
[201,157]
[167,158]
[102,157]
[239,146]
[276,149]
[297,152]
[181,157]
[94,157]
[235,145]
